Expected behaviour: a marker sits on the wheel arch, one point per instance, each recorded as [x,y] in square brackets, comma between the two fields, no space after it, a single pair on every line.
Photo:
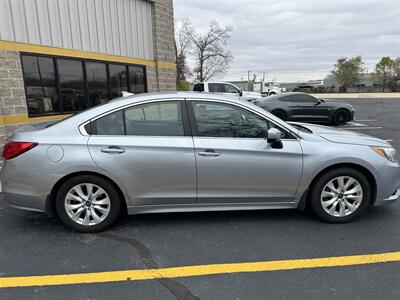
[51,203]
[363,170]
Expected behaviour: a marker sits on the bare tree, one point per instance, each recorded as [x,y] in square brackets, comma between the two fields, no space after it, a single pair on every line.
[212,58]
[182,45]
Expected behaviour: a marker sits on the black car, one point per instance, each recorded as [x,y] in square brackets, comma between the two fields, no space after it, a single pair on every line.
[303,107]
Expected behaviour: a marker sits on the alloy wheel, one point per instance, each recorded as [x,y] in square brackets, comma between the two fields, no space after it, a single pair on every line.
[341,196]
[87,204]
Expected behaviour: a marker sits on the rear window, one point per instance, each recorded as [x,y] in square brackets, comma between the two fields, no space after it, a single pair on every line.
[198,87]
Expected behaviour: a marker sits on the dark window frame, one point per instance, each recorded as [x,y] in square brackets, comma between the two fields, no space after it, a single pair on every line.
[85,83]
[91,128]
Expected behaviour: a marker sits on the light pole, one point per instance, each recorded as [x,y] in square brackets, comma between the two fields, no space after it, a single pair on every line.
[248,80]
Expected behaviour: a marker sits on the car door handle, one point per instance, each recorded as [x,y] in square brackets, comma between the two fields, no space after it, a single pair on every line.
[209,153]
[113,150]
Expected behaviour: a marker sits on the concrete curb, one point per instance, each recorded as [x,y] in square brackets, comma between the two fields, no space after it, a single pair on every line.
[358,95]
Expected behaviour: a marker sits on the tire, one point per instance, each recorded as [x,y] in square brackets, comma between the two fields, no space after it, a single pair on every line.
[272,93]
[280,114]
[99,214]
[344,208]
[341,117]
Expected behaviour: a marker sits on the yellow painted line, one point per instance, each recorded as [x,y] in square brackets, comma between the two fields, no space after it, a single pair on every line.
[20,119]
[198,270]
[23,47]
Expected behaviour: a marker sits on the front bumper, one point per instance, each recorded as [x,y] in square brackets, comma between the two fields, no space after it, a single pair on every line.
[392,198]
[388,184]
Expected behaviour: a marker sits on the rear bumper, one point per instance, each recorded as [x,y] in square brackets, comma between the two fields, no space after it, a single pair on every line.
[24,202]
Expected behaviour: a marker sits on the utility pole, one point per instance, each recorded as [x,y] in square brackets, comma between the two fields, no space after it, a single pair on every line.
[248,80]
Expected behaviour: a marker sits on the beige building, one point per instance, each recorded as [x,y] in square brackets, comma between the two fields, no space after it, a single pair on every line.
[60,57]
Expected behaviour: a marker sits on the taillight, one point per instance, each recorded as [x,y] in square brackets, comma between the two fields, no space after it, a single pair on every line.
[13,149]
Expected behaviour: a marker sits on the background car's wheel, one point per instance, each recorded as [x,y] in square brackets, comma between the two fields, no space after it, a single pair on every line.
[272,93]
[88,203]
[280,114]
[341,117]
[340,195]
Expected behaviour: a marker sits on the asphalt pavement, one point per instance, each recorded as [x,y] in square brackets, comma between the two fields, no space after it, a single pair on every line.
[33,245]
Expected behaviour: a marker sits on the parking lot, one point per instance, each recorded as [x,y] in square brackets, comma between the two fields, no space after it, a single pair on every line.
[214,247]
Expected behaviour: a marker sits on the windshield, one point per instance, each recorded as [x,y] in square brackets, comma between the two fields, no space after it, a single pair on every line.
[301,128]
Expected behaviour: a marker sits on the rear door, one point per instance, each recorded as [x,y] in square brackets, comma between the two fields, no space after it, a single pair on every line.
[148,148]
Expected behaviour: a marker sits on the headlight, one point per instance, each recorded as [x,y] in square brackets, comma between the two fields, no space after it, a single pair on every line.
[386,152]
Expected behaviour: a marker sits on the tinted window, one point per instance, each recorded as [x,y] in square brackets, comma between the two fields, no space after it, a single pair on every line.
[157,119]
[230,89]
[216,88]
[136,79]
[299,98]
[118,80]
[224,120]
[71,85]
[96,75]
[198,87]
[40,85]
[111,124]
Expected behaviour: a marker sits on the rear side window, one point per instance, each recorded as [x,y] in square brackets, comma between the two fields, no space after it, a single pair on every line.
[153,119]
[111,124]
[198,87]
[157,119]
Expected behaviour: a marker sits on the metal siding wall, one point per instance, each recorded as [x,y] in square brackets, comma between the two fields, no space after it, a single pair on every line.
[119,27]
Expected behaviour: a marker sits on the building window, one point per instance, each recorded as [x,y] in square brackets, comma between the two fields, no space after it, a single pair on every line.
[119,80]
[56,85]
[70,73]
[40,85]
[96,76]
[137,81]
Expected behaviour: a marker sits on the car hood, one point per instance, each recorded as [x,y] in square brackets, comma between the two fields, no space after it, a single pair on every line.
[341,136]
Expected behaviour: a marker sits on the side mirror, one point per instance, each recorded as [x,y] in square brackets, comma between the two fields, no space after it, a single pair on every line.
[240,92]
[274,138]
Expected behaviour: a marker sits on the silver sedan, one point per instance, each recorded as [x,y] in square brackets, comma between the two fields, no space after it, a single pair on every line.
[178,152]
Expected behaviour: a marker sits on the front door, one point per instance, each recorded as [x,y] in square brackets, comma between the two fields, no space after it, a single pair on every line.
[147,149]
[307,107]
[235,164]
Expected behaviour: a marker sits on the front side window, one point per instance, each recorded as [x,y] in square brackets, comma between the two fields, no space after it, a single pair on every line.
[225,120]
[230,89]
[40,85]
[72,89]
[299,99]
[155,119]
[216,88]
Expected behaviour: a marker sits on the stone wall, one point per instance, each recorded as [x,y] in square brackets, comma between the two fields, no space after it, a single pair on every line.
[164,43]
[12,93]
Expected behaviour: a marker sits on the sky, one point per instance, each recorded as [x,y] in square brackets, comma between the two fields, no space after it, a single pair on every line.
[298,40]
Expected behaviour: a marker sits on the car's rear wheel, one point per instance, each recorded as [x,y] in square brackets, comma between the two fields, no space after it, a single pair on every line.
[340,195]
[341,117]
[280,114]
[88,203]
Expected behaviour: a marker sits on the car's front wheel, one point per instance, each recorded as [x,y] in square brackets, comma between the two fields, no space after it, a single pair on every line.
[88,203]
[280,114]
[340,195]
[341,117]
